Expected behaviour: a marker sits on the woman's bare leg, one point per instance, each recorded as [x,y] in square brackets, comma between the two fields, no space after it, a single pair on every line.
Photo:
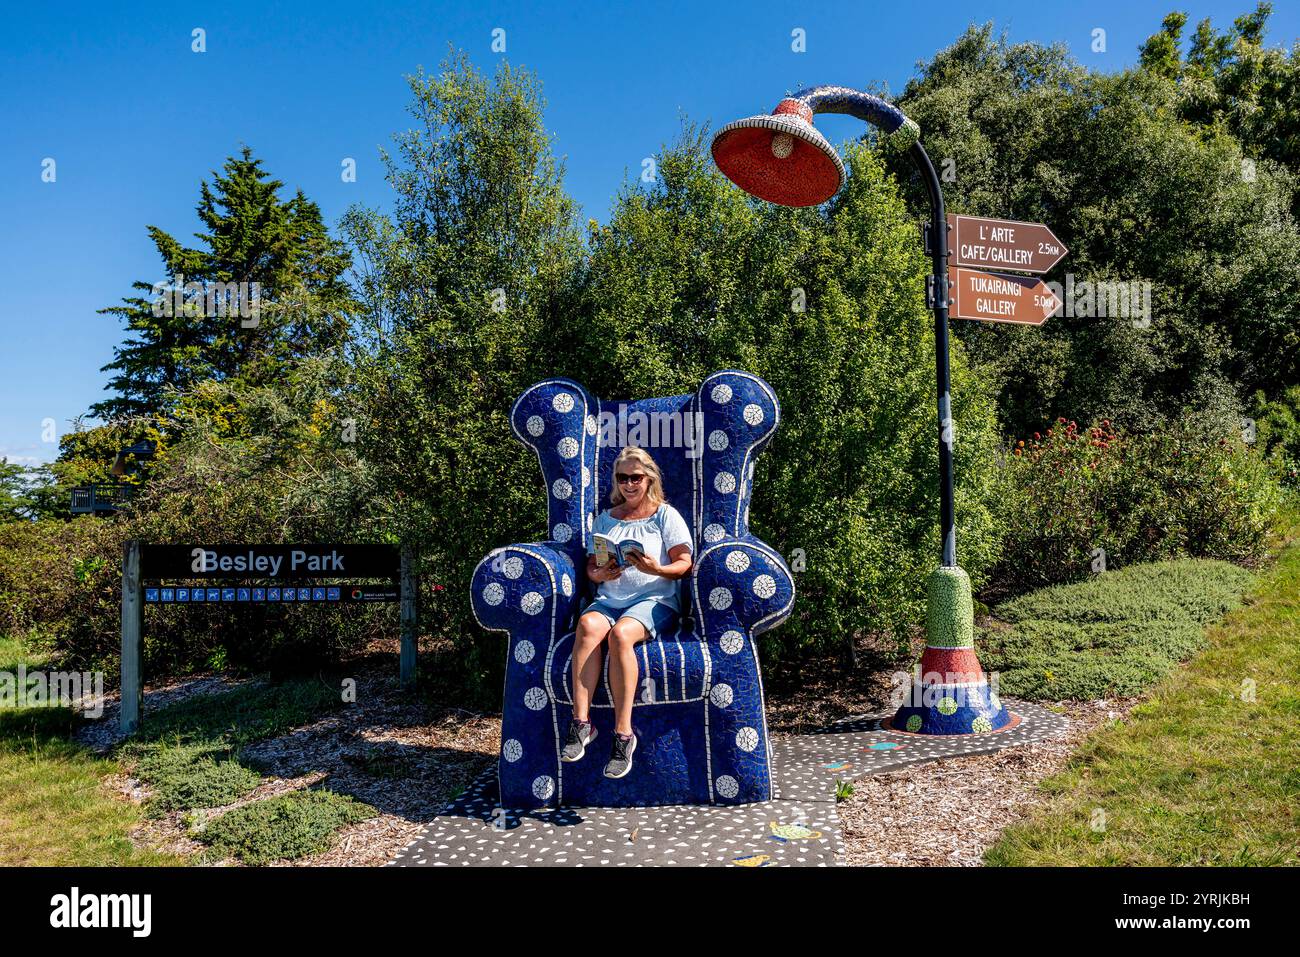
[623,669]
[592,629]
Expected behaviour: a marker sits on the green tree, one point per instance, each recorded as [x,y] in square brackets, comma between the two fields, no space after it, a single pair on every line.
[464,285]
[234,305]
[15,491]
[1233,81]
[691,276]
[1138,195]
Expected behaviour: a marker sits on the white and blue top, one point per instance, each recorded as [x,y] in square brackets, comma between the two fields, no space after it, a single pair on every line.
[657,534]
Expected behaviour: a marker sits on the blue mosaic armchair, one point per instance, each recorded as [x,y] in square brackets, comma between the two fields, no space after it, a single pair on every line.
[699,718]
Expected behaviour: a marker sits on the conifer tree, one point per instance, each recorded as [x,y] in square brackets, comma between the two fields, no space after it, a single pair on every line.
[263,286]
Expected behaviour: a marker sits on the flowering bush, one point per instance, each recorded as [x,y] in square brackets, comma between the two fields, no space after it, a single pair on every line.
[1290,470]
[1088,499]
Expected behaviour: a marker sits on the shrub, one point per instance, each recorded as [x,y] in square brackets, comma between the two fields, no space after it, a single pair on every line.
[193,776]
[63,578]
[1278,433]
[242,464]
[1112,636]
[1082,500]
[283,828]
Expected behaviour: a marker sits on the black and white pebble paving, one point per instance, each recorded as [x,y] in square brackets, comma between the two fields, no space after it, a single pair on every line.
[799,828]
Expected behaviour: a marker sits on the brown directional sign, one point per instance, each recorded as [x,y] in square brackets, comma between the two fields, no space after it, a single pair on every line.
[1002,244]
[999,297]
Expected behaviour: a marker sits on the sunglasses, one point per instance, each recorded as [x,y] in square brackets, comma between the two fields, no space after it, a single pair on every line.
[625,479]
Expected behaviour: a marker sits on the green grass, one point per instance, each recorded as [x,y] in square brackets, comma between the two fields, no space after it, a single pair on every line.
[283,828]
[188,776]
[240,716]
[1113,635]
[54,809]
[16,651]
[1206,772]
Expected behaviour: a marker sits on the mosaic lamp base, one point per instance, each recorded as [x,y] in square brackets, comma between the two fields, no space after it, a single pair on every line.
[950,693]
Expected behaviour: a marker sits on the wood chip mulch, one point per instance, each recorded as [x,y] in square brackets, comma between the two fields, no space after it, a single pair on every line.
[947,813]
[102,733]
[391,750]
[408,758]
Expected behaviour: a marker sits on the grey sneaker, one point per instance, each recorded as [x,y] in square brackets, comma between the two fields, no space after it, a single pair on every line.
[620,756]
[580,735]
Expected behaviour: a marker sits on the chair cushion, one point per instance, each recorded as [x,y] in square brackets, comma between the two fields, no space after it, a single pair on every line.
[673,668]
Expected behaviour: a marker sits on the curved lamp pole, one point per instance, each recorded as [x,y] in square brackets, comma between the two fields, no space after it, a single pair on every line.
[783,159]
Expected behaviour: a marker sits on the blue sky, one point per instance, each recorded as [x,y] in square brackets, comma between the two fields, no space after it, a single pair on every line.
[134,119]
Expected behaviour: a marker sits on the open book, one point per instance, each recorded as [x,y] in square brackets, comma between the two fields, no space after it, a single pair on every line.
[605,548]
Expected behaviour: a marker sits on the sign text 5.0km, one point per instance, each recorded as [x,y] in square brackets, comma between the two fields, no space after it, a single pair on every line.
[1001,297]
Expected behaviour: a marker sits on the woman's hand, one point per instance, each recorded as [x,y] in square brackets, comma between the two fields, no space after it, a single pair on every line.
[647,564]
[604,573]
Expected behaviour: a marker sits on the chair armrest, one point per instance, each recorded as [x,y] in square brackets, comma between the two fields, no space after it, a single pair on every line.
[525,587]
[741,583]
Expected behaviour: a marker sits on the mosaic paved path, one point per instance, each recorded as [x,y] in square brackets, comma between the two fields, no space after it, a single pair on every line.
[798,828]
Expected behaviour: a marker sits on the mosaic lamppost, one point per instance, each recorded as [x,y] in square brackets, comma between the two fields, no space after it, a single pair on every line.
[783,159]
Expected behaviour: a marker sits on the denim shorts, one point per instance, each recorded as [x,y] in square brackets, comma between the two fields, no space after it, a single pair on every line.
[657,617]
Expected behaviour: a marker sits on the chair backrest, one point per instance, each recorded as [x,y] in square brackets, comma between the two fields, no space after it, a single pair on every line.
[705,444]
[664,428]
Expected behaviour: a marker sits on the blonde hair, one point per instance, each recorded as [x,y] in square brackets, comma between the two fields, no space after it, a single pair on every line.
[654,481]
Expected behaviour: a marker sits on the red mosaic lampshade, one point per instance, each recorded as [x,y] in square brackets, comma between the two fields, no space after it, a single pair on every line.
[780,158]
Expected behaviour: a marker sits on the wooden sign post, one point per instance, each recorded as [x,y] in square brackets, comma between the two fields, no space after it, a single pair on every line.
[257,575]
[132,686]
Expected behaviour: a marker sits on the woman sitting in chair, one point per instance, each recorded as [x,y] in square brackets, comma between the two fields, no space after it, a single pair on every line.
[637,600]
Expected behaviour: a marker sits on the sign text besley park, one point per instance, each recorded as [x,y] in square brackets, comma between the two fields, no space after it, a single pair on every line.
[999,297]
[271,564]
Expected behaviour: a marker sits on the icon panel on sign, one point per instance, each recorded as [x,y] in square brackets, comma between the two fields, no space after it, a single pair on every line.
[169,594]
[273,594]
[242,594]
[304,594]
[318,594]
[227,594]
[214,594]
[259,594]
[182,594]
[332,594]
[151,594]
[197,594]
